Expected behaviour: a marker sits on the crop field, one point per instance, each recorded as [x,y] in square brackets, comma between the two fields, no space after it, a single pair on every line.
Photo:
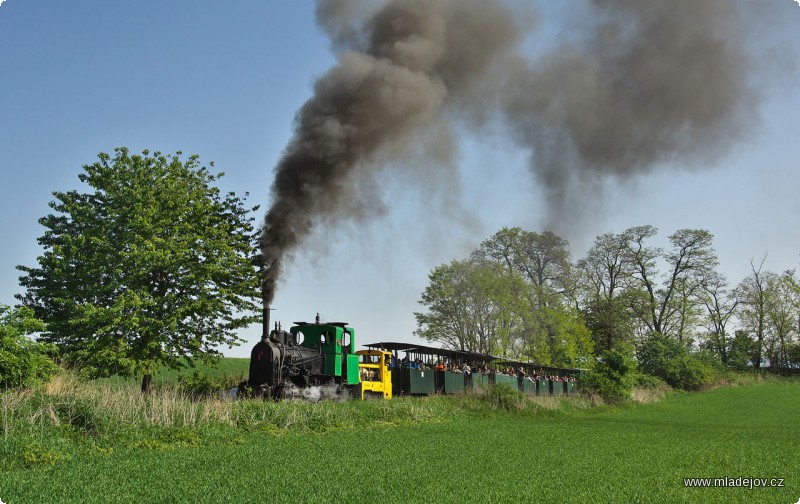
[412,450]
[230,369]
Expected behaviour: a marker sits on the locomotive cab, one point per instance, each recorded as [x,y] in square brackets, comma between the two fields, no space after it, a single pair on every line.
[336,342]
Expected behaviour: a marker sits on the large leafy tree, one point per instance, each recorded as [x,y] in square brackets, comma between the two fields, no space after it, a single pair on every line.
[558,336]
[720,304]
[753,294]
[611,323]
[782,318]
[152,266]
[507,299]
[605,276]
[471,307]
[606,267]
[542,324]
[671,308]
[543,260]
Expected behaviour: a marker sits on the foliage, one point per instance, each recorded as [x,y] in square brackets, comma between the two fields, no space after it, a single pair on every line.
[669,360]
[610,322]
[688,373]
[741,351]
[508,299]
[504,396]
[782,309]
[199,384]
[670,302]
[646,381]
[151,266]
[721,305]
[470,307]
[558,337]
[36,454]
[769,307]
[520,296]
[606,269]
[753,295]
[613,377]
[542,259]
[23,362]
[793,353]
[225,370]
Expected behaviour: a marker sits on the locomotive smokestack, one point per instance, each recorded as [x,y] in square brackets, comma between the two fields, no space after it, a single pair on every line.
[265,315]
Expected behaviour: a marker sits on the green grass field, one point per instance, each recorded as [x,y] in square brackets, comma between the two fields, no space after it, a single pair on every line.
[229,368]
[438,449]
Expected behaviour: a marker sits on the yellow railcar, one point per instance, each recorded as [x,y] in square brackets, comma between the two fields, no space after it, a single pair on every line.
[374,373]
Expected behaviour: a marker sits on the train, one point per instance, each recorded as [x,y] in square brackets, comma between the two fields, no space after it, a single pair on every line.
[319,360]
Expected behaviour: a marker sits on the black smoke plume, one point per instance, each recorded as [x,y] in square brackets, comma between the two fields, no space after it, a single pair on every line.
[401,66]
[640,84]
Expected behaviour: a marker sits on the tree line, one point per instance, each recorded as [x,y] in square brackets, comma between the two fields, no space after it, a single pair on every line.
[521,295]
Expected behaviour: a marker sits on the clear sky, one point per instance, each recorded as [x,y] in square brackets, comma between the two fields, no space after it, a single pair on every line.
[224,79]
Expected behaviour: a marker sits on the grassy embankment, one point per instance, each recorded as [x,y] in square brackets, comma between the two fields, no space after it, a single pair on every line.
[96,443]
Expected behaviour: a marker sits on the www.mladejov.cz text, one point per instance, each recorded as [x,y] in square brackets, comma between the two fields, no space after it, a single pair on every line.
[739,482]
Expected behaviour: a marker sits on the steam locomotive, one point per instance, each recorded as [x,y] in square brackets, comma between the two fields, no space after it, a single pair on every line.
[288,363]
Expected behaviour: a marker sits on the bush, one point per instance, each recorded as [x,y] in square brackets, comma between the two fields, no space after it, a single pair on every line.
[669,360]
[504,396]
[199,385]
[23,361]
[688,373]
[613,377]
[647,381]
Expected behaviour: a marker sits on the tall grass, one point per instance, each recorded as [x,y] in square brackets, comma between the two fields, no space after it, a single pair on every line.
[71,418]
[104,409]
[101,409]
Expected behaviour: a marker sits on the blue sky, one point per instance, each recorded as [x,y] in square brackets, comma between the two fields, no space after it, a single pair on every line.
[223,80]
